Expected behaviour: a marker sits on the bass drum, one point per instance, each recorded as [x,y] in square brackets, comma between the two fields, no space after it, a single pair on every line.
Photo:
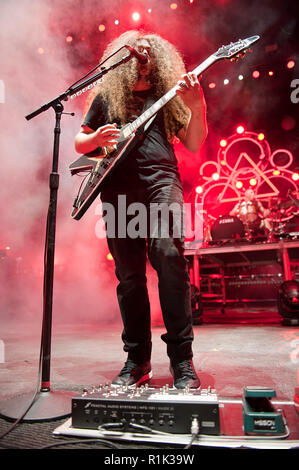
[227,227]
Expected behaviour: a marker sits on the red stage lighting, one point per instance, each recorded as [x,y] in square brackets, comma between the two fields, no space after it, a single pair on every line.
[291,64]
[288,123]
[136,16]
[199,189]
[223,143]
[252,182]
[69,38]
[212,85]
[173,6]
[255,74]
[239,184]
[102,27]
[270,73]
[240,130]
[295,176]
[261,136]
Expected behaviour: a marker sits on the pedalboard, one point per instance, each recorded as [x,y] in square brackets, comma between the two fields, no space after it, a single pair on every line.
[147,409]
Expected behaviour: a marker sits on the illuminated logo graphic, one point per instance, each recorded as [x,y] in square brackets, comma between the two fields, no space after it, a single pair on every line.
[244,160]
[252,173]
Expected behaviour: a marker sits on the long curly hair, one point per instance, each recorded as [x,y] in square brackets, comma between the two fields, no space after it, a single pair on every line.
[116,87]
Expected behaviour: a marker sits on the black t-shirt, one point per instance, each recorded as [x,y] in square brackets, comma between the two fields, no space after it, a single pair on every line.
[152,161]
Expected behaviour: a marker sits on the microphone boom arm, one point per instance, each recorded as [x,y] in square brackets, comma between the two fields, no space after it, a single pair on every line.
[75,89]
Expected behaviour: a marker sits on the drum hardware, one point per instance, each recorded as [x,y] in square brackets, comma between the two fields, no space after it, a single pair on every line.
[248,226]
[227,227]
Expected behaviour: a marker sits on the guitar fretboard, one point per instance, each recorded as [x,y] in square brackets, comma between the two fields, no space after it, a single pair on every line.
[144,117]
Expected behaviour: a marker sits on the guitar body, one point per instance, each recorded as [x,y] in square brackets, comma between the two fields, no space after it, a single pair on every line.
[101,162]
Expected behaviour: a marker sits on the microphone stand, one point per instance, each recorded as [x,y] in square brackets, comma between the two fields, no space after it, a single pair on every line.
[49,404]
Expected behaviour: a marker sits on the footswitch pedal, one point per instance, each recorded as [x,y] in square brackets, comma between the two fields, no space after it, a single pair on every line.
[146,408]
[260,416]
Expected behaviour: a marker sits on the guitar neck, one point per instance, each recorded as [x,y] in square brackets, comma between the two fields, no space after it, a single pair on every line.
[144,117]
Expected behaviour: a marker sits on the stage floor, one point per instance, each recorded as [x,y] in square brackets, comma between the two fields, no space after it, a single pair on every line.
[245,347]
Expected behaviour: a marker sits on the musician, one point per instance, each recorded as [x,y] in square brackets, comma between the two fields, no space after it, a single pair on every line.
[252,213]
[149,174]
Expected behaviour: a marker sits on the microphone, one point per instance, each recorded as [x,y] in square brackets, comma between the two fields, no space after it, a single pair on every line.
[142,58]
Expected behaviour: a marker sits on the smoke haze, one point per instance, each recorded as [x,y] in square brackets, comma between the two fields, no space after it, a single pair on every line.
[37,64]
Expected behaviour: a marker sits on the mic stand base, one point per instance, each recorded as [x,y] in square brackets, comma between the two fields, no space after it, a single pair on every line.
[47,406]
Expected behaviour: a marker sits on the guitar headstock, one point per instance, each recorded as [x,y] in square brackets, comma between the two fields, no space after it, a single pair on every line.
[235,50]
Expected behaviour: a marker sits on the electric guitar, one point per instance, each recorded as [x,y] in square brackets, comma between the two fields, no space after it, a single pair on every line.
[101,162]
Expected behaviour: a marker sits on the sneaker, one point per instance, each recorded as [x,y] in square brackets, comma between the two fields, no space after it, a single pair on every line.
[184,375]
[133,374]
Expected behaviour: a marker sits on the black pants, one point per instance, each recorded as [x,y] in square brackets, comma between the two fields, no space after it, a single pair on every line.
[165,254]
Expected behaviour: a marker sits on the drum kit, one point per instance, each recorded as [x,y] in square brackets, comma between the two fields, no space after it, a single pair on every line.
[280,222]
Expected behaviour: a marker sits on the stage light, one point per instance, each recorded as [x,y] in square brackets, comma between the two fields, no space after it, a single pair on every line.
[240,130]
[149,10]
[212,85]
[252,182]
[102,27]
[288,302]
[215,176]
[109,257]
[295,176]
[173,6]
[291,64]
[223,143]
[261,136]
[276,172]
[255,74]
[226,81]
[136,16]
[240,77]
[288,123]
[69,38]
[239,184]
[270,73]
[116,22]
[199,189]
